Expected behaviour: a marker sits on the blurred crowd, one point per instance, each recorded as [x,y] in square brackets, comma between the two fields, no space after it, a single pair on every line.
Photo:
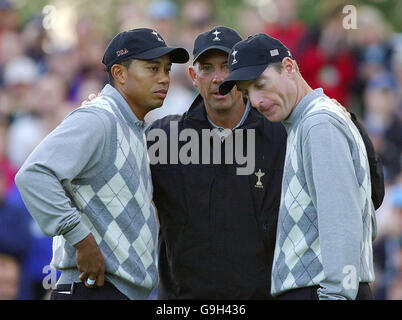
[41,82]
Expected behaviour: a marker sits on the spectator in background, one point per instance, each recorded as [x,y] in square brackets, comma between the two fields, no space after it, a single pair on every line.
[396,67]
[37,257]
[46,108]
[132,15]
[42,111]
[65,64]
[394,291]
[10,40]
[15,240]
[7,170]
[36,40]
[383,124]
[19,75]
[388,248]
[8,16]
[39,253]
[163,14]
[325,59]
[197,16]
[373,49]
[250,22]
[9,276]
[90,46]
[287,27]
[14,227]
[87,87]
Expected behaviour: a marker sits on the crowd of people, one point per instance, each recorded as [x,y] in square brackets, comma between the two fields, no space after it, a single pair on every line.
[41,83]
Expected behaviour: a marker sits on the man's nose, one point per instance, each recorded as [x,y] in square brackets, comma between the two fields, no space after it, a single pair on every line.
[164,78]
[255,100]
[218,77]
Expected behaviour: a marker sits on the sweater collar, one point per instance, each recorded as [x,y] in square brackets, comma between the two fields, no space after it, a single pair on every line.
[303,106]
[122,105]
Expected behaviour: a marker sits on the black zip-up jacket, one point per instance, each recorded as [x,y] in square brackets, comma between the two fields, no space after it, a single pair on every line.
[217,228]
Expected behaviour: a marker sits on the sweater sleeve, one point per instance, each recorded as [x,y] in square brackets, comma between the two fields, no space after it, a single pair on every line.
[332,183]
[72,150]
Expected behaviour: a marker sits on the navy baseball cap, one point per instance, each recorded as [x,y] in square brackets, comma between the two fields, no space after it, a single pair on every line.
[143,43]
[249,58]
[221,38]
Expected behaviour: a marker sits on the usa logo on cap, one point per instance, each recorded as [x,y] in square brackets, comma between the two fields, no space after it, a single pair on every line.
[121,52]
[274,52]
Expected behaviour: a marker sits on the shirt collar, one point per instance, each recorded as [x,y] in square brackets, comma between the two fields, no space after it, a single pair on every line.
[243,118]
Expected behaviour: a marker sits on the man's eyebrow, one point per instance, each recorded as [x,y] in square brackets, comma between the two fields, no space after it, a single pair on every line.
[154,61]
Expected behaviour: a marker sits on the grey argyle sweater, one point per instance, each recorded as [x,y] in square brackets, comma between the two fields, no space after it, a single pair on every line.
[91,174]
[326,220]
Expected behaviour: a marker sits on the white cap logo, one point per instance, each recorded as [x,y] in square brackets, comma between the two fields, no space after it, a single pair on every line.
[157,36]
[234,57]
[216,35]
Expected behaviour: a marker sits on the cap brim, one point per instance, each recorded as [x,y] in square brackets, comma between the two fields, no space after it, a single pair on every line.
[177,55]
[222,48]
[241,74]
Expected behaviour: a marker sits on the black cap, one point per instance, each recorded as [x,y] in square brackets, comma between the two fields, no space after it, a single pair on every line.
[249,58]
[221,38]
[143,43]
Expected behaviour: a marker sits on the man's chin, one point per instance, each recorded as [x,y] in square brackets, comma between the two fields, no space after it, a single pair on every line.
[155,105]
[220,104]
[272,117]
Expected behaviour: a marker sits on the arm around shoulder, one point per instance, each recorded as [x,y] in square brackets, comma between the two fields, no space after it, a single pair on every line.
[376,171]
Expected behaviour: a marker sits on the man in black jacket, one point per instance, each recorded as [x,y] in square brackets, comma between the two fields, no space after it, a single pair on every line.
[218,227]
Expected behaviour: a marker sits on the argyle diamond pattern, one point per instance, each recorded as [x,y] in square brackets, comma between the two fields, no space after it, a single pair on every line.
[117,208]
[297,259]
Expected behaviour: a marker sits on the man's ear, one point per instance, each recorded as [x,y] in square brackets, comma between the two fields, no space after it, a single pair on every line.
[288,65]
[193,75]
[119,73]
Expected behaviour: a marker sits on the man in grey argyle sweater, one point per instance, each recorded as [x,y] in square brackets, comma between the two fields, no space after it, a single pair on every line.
[88,183]
[326,221]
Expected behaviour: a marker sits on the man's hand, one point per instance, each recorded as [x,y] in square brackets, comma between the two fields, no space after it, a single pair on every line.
[90,261]
[90,98]
[342,107]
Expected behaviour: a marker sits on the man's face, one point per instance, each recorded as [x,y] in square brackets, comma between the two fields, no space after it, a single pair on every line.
[273,93]
[147,82]
[208,73]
